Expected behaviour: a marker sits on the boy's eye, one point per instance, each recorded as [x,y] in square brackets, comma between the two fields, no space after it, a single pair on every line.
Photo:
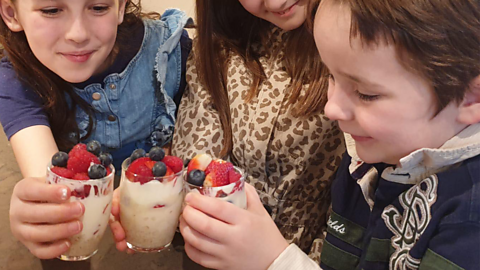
[366,97]
[50,11]
[100,9]
[330,77]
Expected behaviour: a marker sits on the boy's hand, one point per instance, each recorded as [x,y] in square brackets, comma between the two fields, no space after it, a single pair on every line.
[222,236]
[116,226]
[42,218]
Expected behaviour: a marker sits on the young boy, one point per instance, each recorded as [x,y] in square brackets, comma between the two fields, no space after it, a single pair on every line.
[405,88]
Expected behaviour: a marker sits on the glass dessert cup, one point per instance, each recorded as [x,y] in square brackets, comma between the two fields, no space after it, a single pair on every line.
[233,192]
[96,196]
[149,211]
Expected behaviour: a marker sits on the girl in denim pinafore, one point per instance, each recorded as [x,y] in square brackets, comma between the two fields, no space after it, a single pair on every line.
[128,114]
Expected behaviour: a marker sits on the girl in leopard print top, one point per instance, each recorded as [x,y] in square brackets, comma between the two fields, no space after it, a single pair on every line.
[255,96]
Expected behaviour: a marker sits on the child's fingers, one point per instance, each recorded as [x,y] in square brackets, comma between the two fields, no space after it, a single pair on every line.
[117,230]
[204,224]
[202,258]
[50,232]
[36,190]
[199,241]
[49,212]
[50,250]
[115,210]
[253,200]
[221,210]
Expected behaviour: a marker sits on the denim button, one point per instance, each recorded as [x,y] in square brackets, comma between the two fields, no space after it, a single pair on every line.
[96,96]
[112,118]
[113,86]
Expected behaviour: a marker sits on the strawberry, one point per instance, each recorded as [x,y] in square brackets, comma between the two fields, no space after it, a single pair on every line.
[80,161]
[169,172]
[199,162]
[132,169]
[219,176]
[174,163]
[214,164]
[81,176]
[143,174]
[63,172]
[233,176]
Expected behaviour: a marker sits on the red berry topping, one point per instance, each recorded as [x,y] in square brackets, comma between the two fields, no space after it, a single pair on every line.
[234,176]
[174,163]
[63,172]
[219,176]
[81,176]
[81,160]
[215,163]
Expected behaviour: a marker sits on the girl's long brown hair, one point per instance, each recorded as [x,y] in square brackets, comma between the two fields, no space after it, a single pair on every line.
[52,89]
[224,27]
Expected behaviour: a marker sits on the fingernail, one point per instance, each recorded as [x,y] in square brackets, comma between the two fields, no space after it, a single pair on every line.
[78,209]
[74,227]
[67,244]
[63,194]
[188,198]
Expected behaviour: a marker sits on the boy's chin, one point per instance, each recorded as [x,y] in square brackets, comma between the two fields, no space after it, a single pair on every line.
[371,157]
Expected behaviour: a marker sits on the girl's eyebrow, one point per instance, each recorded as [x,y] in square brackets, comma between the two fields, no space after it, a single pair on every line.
[360,80]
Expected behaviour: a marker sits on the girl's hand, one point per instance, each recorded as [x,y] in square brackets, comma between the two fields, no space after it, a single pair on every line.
[42,218]
[116,226]
[222,236]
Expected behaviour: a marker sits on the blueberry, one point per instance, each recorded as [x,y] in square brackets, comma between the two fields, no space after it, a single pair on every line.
[106,159]
[159,169]
[156,153]
[137,154]
[60,159]
[186,162]
[97,171]
[94,147]
[196,177]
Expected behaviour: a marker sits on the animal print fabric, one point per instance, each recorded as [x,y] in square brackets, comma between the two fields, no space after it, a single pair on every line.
[290,161]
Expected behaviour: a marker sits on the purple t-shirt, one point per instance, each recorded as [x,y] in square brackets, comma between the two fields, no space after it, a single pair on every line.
[20,107]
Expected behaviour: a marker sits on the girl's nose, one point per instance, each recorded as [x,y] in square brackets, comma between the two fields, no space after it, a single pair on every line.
[338,106]
[78,31]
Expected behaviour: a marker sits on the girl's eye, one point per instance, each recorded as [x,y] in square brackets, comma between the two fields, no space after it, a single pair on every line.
[100,9]
[330,77]
[366,97]
[50,11]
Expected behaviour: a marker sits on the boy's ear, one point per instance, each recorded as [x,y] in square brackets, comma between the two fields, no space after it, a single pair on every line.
[9,15]
[469,110]
[121,11]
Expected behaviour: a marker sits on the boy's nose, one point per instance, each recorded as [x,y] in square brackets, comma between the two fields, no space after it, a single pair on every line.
[276,5]
[77,32]
[337,107]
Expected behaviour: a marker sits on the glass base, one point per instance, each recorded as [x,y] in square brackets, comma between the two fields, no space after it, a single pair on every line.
[76,258]
[147,250]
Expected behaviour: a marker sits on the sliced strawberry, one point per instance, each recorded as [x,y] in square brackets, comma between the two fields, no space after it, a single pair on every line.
[219,176]
[159,206]
[217,163]
[199,162]
[63,172]
[234,176]
[108,171]
[81,176]
[133,168]
[144,174]
[175,163]
[150,163]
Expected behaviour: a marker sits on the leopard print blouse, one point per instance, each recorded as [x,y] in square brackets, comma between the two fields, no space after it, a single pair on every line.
[290,161]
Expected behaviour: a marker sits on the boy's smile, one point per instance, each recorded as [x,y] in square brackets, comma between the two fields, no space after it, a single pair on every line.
[387,108]
[74,39]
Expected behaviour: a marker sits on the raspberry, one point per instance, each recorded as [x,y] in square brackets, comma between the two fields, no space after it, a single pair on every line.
[174,163]
[233,176]
[63,172]
[80,161]
[81,176]
[77,148]
[219,176]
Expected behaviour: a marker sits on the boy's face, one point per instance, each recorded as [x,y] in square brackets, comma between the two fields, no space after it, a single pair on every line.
[388,110]
[286,14]
[73,39]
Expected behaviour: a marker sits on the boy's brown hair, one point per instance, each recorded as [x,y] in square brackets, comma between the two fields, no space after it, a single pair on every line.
[439,39]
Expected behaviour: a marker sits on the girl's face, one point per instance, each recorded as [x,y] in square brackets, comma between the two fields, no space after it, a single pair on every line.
[286,14]
[74,39]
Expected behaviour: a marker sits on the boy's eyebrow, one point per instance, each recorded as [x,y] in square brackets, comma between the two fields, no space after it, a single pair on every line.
[359,80]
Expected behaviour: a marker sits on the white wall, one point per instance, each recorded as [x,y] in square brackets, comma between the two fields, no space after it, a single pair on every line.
[160,5]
